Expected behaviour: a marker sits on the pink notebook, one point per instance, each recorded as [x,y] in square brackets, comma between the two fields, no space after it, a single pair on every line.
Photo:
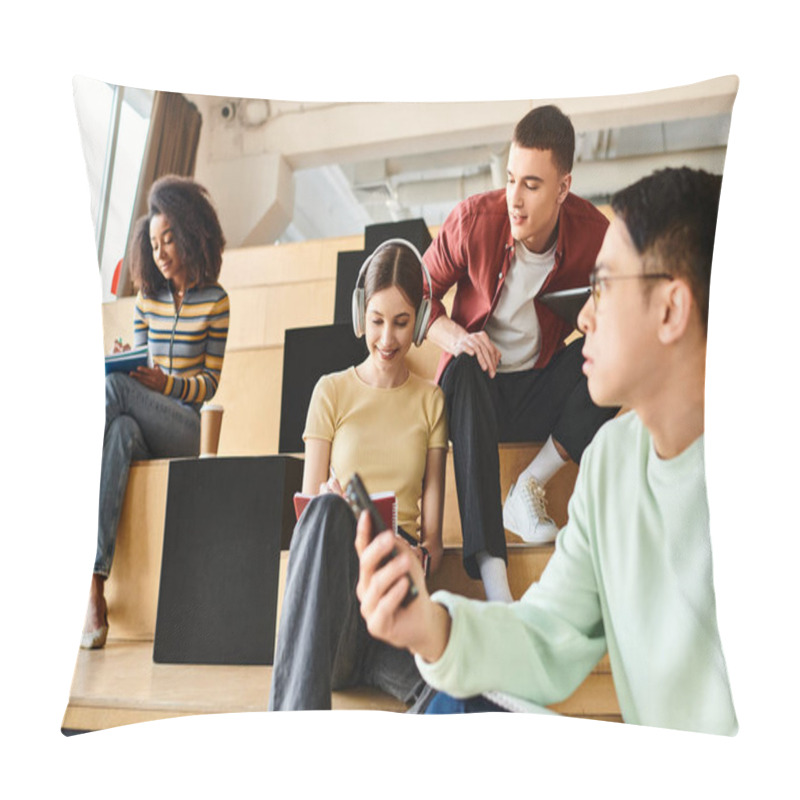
[385,502]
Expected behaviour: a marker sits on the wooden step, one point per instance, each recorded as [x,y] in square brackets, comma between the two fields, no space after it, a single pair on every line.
[132,589]
[122,685]
[293,262]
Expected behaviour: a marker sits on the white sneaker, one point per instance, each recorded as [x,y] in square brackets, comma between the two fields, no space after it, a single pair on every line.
[525,513]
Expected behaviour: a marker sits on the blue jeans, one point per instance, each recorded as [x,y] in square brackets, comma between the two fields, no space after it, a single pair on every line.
[140,424]
[323,643]
[442,703]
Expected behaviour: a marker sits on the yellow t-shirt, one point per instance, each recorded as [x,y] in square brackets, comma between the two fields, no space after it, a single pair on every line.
[383,434]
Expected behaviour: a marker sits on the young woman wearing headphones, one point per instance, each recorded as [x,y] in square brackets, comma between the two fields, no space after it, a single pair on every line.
[381,420]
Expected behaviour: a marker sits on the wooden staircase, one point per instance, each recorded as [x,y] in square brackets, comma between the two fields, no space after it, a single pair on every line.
[271,288]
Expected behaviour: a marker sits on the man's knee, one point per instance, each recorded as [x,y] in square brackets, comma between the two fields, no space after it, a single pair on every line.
[464,364]
[463,374]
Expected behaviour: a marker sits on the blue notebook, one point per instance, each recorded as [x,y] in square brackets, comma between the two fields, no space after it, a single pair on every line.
[127,361]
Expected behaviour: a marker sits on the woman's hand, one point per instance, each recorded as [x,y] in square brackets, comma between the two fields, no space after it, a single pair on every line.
[435,554]
[119,347]
[151,377]
[422,626]
[331,486]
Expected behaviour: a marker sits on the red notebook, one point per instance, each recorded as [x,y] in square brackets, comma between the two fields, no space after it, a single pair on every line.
[385,502]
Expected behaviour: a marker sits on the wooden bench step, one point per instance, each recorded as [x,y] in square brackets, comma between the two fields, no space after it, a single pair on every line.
[132,589]
[122,685]
[293,262]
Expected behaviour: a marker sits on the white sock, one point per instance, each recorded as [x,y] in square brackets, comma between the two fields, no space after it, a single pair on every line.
[547,462]
[494,576]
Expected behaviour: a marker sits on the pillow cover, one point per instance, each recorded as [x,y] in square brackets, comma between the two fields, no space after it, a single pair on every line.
[303,175]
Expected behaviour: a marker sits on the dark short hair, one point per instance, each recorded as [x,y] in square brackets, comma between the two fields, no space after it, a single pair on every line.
[671,217]
[548,128]
[195,226]
[395,265]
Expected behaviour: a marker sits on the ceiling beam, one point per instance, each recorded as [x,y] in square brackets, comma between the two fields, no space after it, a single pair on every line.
[315,135]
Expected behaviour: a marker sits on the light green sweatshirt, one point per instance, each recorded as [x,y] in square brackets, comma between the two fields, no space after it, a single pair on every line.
[631,574]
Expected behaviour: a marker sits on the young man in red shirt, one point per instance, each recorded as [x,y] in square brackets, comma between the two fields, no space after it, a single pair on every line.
[505,371]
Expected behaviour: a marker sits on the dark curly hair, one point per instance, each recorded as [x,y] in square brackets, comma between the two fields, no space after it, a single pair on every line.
[195,226]
[671,216]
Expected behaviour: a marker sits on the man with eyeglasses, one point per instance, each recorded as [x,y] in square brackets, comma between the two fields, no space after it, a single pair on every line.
[505,371]
[631,572]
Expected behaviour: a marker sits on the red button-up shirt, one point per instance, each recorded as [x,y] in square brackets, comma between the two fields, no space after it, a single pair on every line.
[474,250]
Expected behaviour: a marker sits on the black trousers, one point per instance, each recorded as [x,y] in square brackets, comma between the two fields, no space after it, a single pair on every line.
[523,406]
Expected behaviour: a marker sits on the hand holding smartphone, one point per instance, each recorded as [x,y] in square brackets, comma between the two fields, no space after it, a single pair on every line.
[359,500]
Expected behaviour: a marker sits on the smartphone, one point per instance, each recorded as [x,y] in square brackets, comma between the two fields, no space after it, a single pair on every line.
[359,500]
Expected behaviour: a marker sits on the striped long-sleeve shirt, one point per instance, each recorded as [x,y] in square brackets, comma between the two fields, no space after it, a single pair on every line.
[189,345]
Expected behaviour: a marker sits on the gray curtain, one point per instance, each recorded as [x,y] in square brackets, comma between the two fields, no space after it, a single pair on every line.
[171,149]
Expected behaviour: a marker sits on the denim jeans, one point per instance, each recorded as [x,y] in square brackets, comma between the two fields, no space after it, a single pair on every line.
[442,703]
[525,406]
[140,424]
[323,643]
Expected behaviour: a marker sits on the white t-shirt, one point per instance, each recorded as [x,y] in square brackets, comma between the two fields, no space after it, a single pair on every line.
[513,327]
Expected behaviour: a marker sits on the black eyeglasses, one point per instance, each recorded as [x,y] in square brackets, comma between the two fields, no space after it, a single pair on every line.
[596,281]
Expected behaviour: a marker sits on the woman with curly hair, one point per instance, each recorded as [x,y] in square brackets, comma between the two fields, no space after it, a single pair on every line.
[181,314]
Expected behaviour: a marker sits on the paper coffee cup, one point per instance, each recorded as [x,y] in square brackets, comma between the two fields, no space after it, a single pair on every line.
[210,426]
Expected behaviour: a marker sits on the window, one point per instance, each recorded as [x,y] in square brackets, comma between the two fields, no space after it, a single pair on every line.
[114,123]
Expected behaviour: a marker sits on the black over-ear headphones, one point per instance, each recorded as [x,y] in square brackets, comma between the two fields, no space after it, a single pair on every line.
[359,305]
